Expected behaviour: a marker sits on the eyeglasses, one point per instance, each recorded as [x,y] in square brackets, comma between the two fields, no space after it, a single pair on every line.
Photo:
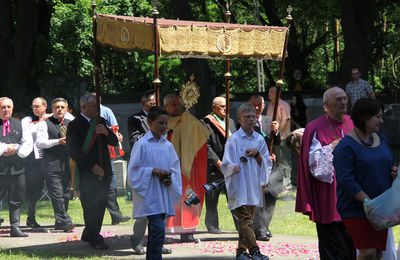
[339,99]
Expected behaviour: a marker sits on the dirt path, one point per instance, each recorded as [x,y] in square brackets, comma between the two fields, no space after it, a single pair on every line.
[210,247]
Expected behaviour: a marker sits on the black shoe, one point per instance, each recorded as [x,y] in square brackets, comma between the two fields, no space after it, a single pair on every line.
[123,219]
[1,220]
[16,232]
[262,238]
[258,256]
[100,246]
[268,234]
[188,238]
[166,251]
[32,223]
[139,250]
[66,228]
[214,231]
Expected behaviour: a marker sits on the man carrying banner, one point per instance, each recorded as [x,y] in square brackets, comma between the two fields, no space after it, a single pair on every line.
[94,166]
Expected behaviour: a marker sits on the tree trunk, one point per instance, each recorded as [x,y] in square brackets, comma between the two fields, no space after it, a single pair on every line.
[357,25]
[18,73]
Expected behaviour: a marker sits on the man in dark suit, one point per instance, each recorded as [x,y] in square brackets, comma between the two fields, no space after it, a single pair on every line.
[264,126]
[137,123]
[83,137]
[15,143]
[50,137]
[215,123]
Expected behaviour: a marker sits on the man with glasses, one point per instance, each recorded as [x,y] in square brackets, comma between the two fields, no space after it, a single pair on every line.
[358,88]
[316,185]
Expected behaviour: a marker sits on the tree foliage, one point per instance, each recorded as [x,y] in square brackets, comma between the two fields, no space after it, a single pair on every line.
[51,48]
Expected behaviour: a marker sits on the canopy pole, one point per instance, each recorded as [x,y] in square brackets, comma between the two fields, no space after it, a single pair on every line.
[227,76]
[279,82]
[156,81]
[96,70]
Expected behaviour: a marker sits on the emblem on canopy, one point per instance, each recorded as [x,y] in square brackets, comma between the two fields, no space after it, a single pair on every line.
[224,43]
[125,36]
[190,93]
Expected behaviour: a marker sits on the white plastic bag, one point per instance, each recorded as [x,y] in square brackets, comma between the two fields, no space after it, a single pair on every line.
[384,210]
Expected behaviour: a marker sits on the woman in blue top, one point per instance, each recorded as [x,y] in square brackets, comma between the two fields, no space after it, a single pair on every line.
[364,169]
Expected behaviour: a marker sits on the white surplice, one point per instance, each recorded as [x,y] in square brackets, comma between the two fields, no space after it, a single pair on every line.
[150,196]
[245,188]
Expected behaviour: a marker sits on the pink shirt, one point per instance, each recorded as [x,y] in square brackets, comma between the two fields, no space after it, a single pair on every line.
[283,114]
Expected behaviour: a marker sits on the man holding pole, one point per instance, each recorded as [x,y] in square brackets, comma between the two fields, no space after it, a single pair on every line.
[83,137]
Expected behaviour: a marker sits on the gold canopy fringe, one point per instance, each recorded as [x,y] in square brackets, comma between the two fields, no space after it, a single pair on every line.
[193,41]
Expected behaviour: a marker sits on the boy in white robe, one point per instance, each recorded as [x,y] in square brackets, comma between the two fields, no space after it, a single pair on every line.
[155,178]
[246,166]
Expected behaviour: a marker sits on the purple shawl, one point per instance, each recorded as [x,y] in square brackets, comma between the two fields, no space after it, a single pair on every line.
[315,198]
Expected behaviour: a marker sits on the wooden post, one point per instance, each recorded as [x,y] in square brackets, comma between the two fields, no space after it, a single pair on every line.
[279,82]
[227,76]
[96,70]
[156,81]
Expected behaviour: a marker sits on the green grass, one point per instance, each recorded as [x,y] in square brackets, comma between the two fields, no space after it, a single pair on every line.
[285,221]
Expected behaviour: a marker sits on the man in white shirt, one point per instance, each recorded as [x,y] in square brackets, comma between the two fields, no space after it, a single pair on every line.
[15,143]
[35,171]
[51,138]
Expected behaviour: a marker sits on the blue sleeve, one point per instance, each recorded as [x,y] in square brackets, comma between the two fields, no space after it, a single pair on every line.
[384,139]
[344,162]
[108,114]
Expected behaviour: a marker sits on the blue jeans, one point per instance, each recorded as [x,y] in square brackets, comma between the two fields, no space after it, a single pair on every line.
[156,237]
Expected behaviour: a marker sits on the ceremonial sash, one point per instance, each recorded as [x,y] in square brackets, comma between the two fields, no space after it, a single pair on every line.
[218,123]
[87,145]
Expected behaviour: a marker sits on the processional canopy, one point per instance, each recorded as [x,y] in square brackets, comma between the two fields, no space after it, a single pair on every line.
[192,39]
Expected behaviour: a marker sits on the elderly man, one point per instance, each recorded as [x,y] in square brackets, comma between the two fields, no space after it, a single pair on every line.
[51,138]
[263,215]
[189,138]
[281,151]
[215,123]
[316,190]
[15,143]
[358,88]
[83,137]
[35,171]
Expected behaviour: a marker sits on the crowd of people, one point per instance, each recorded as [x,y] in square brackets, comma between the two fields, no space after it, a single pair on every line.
[342,162]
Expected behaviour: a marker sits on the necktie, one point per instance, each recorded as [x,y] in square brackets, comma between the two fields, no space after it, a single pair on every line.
[6,125]
[259,124]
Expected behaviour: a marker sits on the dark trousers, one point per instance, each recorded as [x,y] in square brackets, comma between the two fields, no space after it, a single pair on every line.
[112,205]
[58,185]
[334,242]
[156,236]
[263,216]
[211,219]
[15,186]
[93,200]
[247,238]
[35,173]
[139,229]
